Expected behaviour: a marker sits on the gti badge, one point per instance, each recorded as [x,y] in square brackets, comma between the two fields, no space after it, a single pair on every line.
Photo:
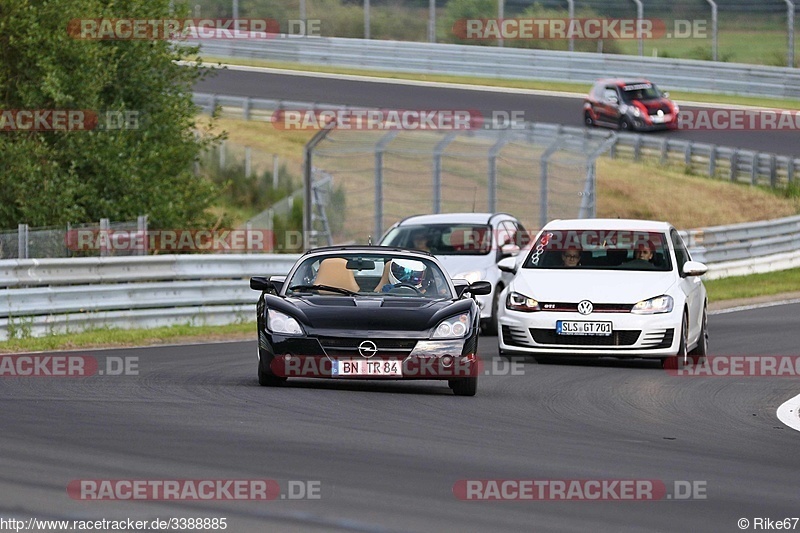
[368,349]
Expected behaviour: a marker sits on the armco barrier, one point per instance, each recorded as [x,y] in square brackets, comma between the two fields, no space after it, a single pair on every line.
[514,63]
[731,164]
[43,296]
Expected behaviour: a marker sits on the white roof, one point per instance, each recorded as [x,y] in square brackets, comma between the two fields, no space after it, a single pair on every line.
[451,218]
[609,224]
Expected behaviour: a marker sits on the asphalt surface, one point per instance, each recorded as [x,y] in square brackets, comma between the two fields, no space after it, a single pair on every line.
[551,109]
[386,456]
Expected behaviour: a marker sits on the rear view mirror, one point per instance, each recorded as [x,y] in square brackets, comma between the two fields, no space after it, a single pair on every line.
[479,287]
[260,283]
[509,264]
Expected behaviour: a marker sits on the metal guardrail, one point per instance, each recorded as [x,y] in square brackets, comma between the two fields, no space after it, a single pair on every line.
[44,296]
[732,164]
[515,63]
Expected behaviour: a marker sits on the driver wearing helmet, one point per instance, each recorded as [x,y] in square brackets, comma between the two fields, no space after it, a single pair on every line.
[410,273]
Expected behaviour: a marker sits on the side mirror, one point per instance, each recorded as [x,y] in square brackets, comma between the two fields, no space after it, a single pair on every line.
[666,94]
[461,287]
[508,264]
[260,283]
[509,250]
[479,287]
[694,268]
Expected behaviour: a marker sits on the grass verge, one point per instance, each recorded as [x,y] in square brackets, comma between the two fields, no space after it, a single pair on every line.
[113,337]
[753,285]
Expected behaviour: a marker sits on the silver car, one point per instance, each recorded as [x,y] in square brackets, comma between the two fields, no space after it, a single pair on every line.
[469,245]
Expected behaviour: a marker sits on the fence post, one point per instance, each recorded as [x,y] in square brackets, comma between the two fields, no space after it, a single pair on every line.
[790,170]
[247,161]
[22,241]
[734,164]
[275,170]
[437,170]
[141,228]
[773,170]
[104,236]
[246,108]
[222,155]
[712,162]
[380,147]
[754,169]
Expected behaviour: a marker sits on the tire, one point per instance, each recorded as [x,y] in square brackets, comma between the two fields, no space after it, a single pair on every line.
[588,121]
[464,386]
[625,124]
[490,326]
[265,379]
[700,352]
[681,358]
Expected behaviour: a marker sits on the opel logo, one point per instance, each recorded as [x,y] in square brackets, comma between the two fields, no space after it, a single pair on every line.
[368,349]
[585,307]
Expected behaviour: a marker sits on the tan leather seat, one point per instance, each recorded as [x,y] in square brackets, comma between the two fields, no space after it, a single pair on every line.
[333,271]
[385,277]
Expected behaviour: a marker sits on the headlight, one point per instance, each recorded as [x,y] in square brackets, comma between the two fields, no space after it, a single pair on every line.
[636,112]
[653,306]
[278,322]
[456,326]
[472,276]
[520,302]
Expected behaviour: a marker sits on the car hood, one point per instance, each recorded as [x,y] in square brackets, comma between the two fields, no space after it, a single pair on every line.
[459,264]
[597,286]
[373,314]
[652,106]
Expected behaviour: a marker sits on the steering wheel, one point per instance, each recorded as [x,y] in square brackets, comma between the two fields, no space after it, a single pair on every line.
[400,286]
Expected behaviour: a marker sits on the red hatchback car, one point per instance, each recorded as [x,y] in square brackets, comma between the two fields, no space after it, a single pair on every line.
[635,104]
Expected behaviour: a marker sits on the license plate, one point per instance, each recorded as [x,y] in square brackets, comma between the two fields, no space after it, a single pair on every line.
[366,367]
[571,327]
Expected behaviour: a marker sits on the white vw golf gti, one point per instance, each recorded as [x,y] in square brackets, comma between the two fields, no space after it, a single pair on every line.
[605,287]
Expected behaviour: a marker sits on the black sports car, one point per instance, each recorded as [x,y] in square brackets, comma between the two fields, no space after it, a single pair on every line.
[368,312]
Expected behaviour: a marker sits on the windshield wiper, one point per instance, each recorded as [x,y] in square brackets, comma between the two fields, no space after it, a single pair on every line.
[330,288]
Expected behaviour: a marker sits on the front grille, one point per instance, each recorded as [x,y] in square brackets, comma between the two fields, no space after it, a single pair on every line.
[618,338]
[342,345]
[598,308]
[514,336]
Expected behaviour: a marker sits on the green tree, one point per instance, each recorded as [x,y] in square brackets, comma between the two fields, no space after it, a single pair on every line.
[54,177]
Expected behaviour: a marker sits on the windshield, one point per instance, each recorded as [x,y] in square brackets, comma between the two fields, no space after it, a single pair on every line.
[368,274]
[640,91]
[600,250]
[443,239]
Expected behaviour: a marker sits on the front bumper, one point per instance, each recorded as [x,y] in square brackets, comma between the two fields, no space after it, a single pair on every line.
[632,335]
[396,358]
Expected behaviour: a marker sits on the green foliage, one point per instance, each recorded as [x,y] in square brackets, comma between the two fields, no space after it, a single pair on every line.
[456,10]
[49,178]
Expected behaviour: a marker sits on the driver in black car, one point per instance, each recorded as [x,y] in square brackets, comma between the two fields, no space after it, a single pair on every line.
[409,273]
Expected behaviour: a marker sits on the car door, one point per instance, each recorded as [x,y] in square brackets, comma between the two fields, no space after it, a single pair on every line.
[609,108]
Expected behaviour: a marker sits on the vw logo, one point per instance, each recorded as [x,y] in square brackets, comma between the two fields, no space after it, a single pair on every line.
[368,349]
[585,307]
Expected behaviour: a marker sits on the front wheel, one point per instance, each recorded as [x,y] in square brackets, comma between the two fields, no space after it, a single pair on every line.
[701,350]
[266,379]
[587,119]
[625,124]
[682,357]
[464,386]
